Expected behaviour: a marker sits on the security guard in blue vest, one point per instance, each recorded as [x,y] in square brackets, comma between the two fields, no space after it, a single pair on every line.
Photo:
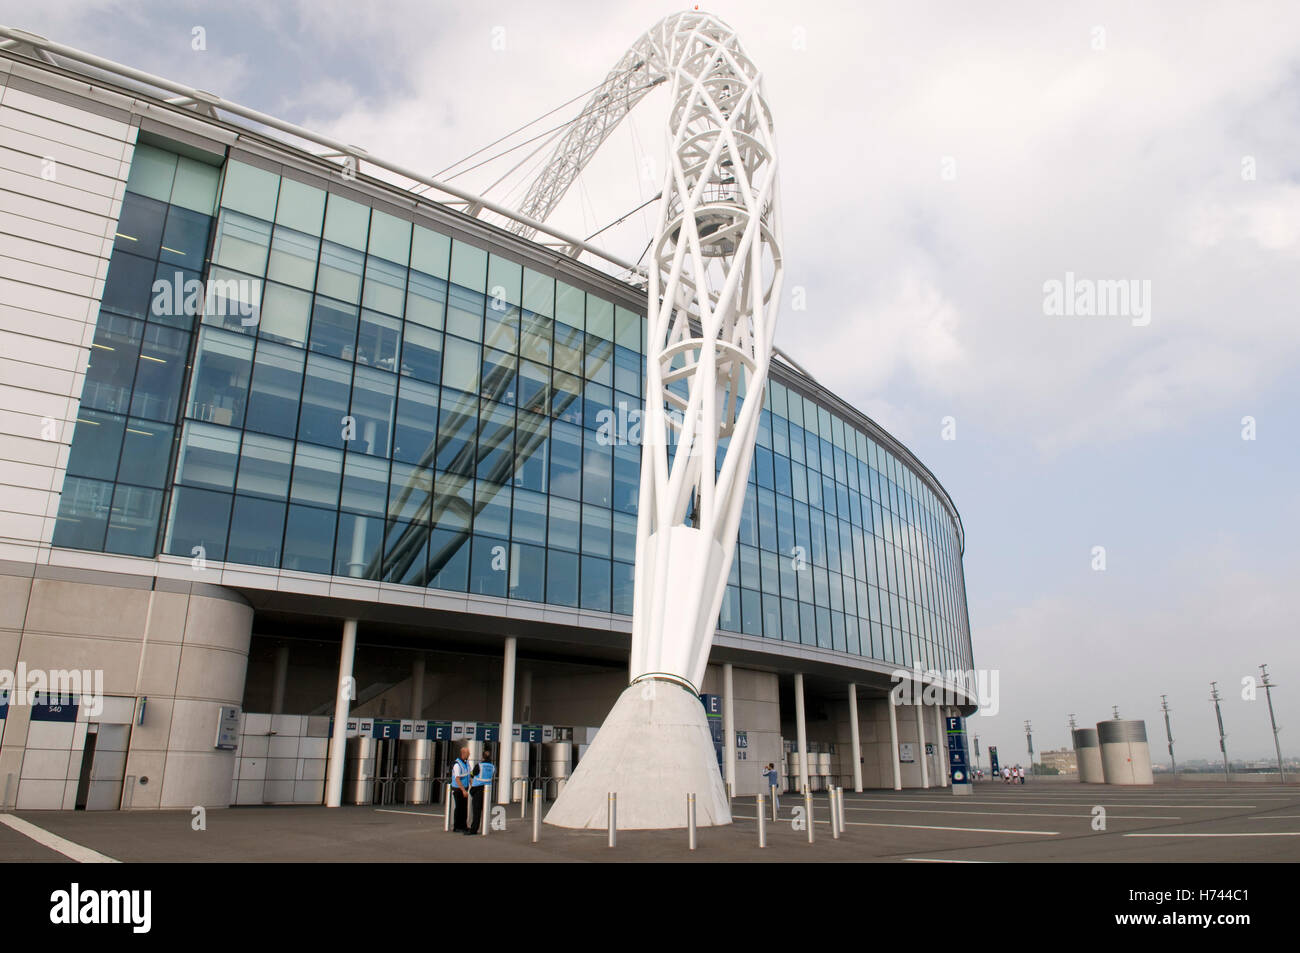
[484,773]
[460,780]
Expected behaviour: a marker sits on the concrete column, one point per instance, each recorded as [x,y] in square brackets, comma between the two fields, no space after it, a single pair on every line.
[855,738]
[921,755]
[893,743]
[940,748]
[280,680]
[342,701]
[505,759]
[801,732]
[729,728]
[417,687]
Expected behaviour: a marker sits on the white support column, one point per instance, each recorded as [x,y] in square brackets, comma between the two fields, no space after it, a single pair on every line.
[893,743]
[801,732]
[526,697]
[921,755]
[941,746]
[729,728]
[856,738]
[280,680]
[342,701]
[417,687]
[505,757]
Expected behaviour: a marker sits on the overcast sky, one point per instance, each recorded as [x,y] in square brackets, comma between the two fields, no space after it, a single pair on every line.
[940,164]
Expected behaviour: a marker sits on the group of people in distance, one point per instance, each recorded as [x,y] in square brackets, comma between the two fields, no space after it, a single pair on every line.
[1014,775]
[467,784]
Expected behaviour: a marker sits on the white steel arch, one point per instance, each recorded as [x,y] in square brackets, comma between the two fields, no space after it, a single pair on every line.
[714,288]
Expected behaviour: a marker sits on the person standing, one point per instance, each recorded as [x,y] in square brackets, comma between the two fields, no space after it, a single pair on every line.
[773,784]
[460,791]
[1020,773]
[484,772]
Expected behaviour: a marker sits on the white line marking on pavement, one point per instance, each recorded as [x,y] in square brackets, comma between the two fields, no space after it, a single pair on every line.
[385,810]
[1240,834]
[82,855]
[961,813]
[936,860]
[896,800]
[930,827]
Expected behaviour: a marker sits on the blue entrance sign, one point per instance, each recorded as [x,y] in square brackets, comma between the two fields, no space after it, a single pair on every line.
[47,707]
[995,768]
[958,766]
[439,731]
[486,731]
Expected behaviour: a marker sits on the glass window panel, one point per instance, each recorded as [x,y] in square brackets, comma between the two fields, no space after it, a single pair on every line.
[129,286]
[627,329]
[568,350]
[293,258]
[273,397]
[346,222]
[158,381]
[250,190]
[539,293]
[133,521]
[146,451]
[527,573]
[496,450]
[199,518]
[84,506]
[599,364]
[140,226]
[301,207]
[468,266]
[426,299]
[536,342]
[564,524]
[242,243]
[465,312]
[373,396]
[596,530]
[449,560]
[529,517]
[417,422]
[309,539]
[566,460]
[410,493]
[365,484]
[339,275]
[457,423]
[627,371]
[566,397]
[406,553]
[453,505]
[532,448]
[325,394]
[390,238]
[501,325]
[624,536]
[179,295]
[623,588]
[334,328]
[534,387]
[600,318]
[96,444]
[429,252]
[195,188]
[561,578]
[359,548]
[208,456]
[385,286]
[627,477]
[378,339]
[256,531]
[185,239]
[597,410]
[569,305]
[316,475]
[499,376]
[153,171]
[595,583]
[421,353]
[504,278]
[220,380]
[461,365]
[491,509]
[489,565]
[597,470]
[264,467]
[231,300]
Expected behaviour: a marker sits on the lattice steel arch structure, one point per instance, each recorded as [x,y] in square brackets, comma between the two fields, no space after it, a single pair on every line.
[714,285]
[713,293]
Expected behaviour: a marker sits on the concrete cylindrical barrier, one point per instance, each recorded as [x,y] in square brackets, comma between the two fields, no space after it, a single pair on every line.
[1087,755]
[1125,755]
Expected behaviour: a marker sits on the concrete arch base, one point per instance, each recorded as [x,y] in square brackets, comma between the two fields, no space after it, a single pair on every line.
[653,749]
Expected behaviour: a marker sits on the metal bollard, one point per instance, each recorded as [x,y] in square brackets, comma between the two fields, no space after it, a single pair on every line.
[774,802]
[611,821]
[537,813]
[835,814]
[808,813]
[839,800]
[446,808]
[486,820]
[690,818]
[762,821]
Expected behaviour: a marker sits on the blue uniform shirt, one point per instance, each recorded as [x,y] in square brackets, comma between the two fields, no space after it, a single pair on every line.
[485,774]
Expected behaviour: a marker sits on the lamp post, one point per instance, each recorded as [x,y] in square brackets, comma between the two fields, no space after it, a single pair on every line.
[1268,693]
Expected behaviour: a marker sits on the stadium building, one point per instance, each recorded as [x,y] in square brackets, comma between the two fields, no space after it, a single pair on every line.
[279,416]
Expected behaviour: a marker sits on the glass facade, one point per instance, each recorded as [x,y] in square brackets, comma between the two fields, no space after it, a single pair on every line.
[370,398]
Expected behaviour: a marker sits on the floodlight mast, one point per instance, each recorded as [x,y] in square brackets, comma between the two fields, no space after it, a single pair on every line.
[713,295]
